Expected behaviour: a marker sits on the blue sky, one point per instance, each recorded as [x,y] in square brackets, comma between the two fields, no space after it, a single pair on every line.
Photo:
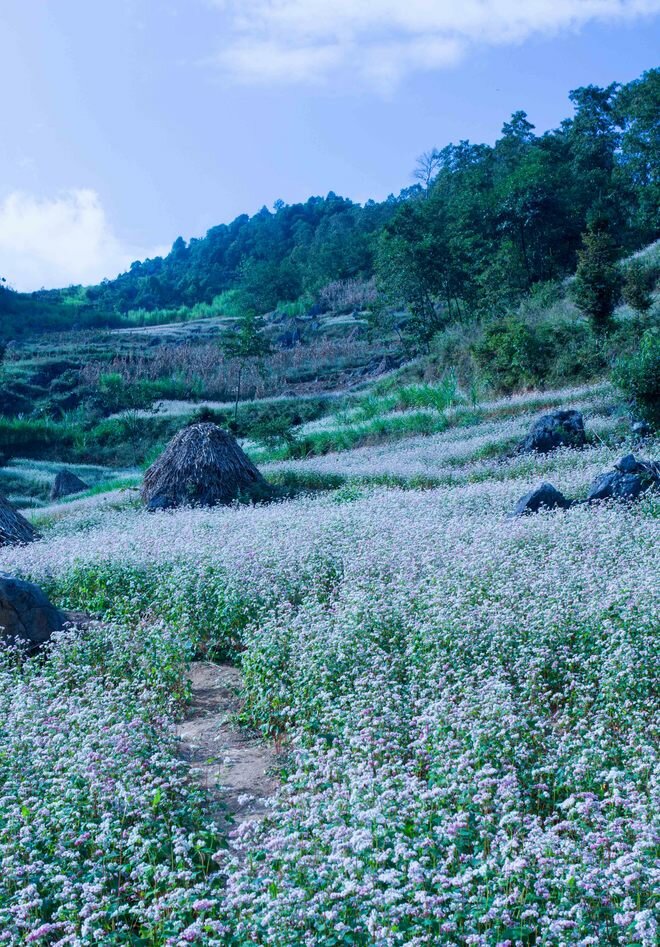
[129,122]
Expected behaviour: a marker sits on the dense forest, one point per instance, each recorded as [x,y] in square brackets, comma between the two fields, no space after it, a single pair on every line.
[478,230]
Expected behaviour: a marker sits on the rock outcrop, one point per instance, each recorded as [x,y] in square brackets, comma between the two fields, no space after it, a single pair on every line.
[544,497]
[27,617]
[67,483]
[629,480]
[564,428]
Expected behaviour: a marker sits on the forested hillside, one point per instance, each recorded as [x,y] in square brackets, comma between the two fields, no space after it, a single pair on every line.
[481,226]
[508,267]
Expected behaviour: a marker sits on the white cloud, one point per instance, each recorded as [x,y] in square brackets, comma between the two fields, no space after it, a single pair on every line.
[57,241]
[382,41]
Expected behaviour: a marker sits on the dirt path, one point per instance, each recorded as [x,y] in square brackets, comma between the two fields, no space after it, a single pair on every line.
[232,763]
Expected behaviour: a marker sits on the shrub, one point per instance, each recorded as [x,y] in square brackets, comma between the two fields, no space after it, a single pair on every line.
[15,399]
[514,354]
[206,415]
[638,286]
[274,430]
[571,352]
[597,279]
[114,394]
[509,355]
[638,376]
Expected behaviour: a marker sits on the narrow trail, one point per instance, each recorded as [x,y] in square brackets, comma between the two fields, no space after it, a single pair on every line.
[233,764]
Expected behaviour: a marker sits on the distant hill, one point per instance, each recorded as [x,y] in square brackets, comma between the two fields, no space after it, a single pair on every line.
[482,227]
[25,314]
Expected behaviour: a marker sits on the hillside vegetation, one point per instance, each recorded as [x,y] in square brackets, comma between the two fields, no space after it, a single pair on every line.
[528,264]
[468,703]
[482,226]
[459,706]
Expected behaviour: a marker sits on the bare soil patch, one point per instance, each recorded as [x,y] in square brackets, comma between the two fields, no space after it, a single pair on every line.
[232,763]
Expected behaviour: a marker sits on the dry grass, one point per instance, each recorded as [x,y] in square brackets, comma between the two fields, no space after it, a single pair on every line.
[305,368]
[203,465]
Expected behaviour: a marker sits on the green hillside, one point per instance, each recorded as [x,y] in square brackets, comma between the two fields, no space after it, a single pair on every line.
[482,227]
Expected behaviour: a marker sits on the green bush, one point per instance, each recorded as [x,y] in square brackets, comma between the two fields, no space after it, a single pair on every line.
[275,430]
[514,354]
[570,353]
[510,355]
[597,283]
[639,281]
[638,376]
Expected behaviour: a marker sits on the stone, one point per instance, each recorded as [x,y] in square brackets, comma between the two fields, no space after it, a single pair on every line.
[543,497]
[647,469]
[641,429]
[563,428]
[27,617]
[66,484]
[628,464]
[615,486]
[628,481]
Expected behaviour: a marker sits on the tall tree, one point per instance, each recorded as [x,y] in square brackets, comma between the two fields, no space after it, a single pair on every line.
[597,279]
[637,110]
[593,140]
[428,165]
[416,266]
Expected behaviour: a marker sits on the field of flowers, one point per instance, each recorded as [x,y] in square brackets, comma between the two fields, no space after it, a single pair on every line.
[470,702]
[472,448]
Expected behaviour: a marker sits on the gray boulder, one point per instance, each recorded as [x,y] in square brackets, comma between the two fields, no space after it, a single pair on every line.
[26,615]
[641,429]
[629,465]
[628,481]
[67,483]
[563,428]
[544,497]
[615,486]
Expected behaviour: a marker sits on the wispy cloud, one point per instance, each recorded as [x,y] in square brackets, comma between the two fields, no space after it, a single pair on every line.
[382,41]
[61,240]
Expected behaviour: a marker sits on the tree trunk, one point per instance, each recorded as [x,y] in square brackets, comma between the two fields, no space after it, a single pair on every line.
[238,392]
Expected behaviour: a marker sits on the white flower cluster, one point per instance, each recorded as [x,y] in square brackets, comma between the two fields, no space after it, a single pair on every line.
[470,701]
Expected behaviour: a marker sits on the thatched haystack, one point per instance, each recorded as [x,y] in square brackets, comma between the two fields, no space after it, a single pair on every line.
[14,528]
[202,466]
[67,483]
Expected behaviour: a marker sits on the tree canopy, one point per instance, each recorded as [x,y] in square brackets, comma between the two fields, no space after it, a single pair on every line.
[484,226]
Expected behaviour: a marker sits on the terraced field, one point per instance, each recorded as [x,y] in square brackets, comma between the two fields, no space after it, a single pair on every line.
[461,708]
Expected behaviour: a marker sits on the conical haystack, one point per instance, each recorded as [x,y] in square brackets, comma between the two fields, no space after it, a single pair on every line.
[66,483]
[14,528]
[202,466]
